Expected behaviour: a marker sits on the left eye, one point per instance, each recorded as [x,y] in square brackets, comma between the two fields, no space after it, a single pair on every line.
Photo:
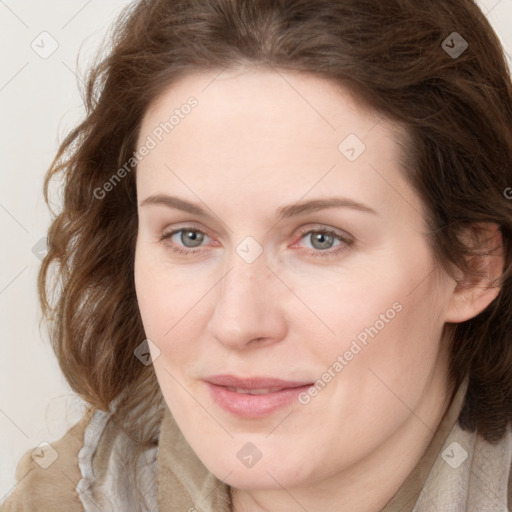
[322,239]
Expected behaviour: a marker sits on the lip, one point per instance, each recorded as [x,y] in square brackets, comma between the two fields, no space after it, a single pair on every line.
[253,406]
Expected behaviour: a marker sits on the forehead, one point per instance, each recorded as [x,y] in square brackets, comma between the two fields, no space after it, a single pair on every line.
[265,100]
[263,129]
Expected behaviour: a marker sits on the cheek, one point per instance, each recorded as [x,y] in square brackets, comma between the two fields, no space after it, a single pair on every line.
[387,331]
[395,359]
[363,308]
[162,304]
[164,295]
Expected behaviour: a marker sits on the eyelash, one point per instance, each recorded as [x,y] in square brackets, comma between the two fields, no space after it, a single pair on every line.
[346,242]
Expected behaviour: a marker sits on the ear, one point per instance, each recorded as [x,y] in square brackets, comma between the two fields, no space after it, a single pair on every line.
[471,294]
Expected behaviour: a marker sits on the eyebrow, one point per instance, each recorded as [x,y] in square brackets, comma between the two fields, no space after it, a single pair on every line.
[284,212]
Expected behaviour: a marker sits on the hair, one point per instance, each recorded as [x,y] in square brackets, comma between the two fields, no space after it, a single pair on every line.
[456,113]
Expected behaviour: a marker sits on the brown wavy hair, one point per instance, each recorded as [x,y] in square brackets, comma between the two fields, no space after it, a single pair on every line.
[456,112]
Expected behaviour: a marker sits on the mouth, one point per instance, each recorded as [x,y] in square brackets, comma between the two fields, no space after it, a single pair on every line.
[254,397]
[260,391]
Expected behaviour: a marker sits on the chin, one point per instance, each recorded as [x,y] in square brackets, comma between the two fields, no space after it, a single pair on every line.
[251,479]
[269,472]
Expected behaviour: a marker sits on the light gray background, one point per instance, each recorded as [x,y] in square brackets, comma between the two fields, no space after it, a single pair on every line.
[39,104]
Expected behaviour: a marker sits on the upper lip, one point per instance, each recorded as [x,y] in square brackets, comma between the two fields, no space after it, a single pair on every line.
[253,382]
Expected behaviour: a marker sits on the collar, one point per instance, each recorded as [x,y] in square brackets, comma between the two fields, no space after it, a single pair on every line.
[408,493]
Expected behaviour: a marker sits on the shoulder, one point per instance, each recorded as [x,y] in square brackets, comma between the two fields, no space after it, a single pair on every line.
[47,476]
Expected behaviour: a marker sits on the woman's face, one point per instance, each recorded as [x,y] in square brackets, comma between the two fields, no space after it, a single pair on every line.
[265,293]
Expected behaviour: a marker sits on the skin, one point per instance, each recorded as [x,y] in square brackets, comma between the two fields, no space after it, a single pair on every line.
[258,140]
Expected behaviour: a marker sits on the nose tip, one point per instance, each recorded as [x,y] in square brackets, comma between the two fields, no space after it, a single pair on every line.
[246,309]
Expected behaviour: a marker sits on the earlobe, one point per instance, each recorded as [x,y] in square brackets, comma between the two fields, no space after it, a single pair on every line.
[473,293]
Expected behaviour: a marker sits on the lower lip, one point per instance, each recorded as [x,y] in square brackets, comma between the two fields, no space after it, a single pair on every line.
[254,406]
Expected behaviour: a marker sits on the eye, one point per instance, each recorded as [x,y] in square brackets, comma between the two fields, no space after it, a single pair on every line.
[190,237]
[322,241]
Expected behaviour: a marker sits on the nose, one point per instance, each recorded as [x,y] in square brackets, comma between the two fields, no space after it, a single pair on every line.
[249,307]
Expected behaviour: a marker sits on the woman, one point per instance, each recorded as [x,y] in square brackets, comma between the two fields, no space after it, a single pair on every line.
[284,261]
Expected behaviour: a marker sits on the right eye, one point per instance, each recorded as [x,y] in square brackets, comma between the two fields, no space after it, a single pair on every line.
[187,235]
